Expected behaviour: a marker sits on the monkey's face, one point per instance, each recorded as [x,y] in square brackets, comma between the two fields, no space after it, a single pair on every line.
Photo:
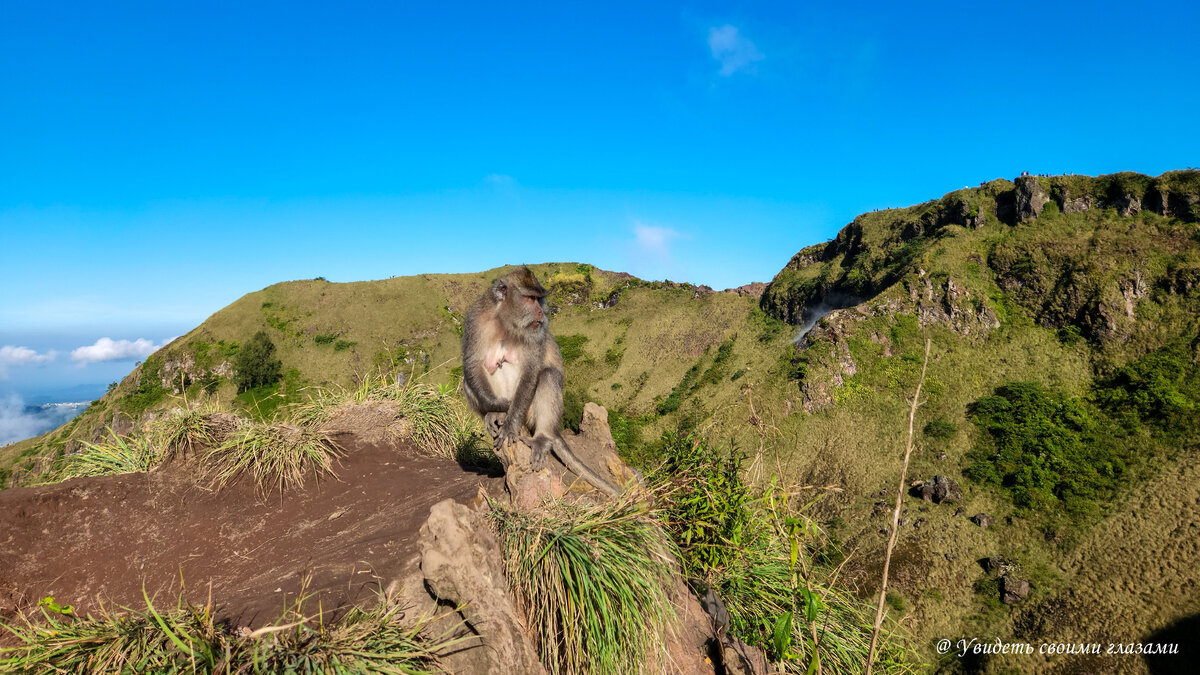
[533,311]
[521,305]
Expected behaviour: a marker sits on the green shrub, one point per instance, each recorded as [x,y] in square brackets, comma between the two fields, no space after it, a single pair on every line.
[573,403]
[706,514]
[613,355]
[1046,449]
[571,346]
[325,339]
[149,389]
[1160,390]
[343,345]
[940,428]
[255,364]
[1070,335]
[759,553]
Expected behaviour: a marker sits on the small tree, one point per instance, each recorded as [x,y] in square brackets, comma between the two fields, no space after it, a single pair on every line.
[255,364]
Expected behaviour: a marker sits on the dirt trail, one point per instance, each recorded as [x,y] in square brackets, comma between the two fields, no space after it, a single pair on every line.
[93,540]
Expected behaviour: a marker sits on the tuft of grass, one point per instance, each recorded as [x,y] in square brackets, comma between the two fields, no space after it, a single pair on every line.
[187,639]
[593,580]
[117,455]
[183,430]
[440,423]
[274,454]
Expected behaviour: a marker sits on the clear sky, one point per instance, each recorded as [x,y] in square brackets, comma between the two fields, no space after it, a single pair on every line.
[160,159]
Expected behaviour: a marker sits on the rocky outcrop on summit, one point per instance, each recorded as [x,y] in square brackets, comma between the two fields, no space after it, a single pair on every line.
[1031,198]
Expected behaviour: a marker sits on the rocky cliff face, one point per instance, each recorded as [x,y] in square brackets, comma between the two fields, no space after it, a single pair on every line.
[877,250]
[975,257]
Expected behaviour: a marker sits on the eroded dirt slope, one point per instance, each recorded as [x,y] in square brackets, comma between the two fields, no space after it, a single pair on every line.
[98,540]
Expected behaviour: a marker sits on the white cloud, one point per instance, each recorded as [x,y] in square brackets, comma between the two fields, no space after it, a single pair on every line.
[650,253]
[653,240]
[108,349]
[21,356]
[732,50]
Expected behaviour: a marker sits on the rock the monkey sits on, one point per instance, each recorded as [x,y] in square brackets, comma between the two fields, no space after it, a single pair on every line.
[513,371]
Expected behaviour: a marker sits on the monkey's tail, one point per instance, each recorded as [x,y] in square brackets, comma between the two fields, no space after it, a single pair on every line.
[569,460]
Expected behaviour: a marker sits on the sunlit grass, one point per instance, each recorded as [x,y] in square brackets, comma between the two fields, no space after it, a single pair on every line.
[276,456]
[183,430]
[117,455]
[437,420]
[188,639]
[593,580]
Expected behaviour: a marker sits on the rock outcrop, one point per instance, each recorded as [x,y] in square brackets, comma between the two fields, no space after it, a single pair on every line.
[939,489]
[463,565]
[1031,197]
[462,568]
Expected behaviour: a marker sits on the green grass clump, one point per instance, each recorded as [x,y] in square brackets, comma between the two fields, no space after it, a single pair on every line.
[940,428]
[117,455]
[571,346]
[274,454]
[182,430]
[188,639]
[593,580]
[681,391]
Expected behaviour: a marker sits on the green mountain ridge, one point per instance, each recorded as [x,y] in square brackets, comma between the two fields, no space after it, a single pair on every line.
[1087,286]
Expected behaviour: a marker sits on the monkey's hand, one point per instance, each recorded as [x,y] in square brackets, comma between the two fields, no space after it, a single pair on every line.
[508,433]
[493,422]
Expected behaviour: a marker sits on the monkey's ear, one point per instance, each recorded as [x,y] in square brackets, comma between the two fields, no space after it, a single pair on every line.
[499,290]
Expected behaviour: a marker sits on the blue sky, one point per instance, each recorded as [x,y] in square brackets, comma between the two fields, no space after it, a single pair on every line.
[159,160]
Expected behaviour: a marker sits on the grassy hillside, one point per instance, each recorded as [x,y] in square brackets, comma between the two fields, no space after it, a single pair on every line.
[1064,313]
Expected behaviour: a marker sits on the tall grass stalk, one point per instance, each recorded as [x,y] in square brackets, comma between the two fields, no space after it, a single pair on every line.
[887,559]
[594,582]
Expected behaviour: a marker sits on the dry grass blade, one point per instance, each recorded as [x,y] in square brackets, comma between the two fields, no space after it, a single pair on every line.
[439,422]
[887,560]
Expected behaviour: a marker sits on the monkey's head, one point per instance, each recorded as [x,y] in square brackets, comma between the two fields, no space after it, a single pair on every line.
[521,304]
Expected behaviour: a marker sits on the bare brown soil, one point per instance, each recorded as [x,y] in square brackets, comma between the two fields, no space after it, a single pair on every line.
[98,541]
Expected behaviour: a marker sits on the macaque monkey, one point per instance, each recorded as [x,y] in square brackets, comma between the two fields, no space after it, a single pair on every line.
[513,371]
